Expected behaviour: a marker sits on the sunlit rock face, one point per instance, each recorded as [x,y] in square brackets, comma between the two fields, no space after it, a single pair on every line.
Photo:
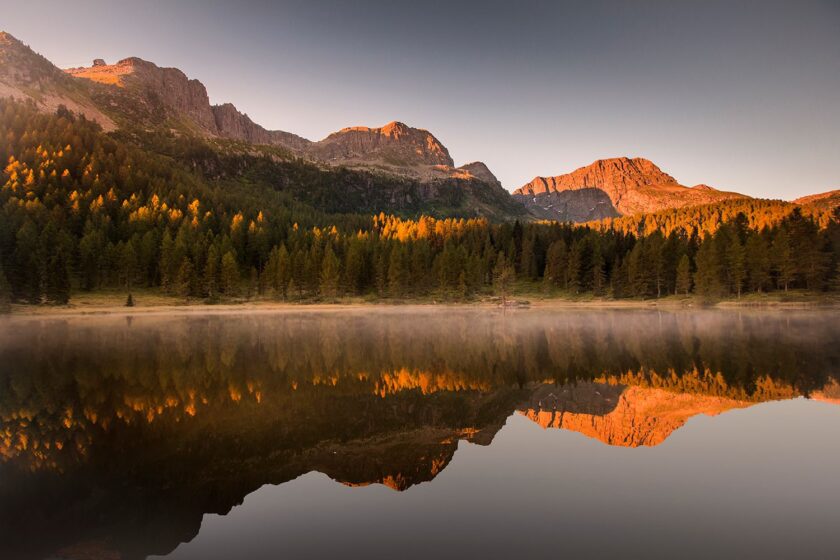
[621,415]
[145,91]
[611,187]
[396,141]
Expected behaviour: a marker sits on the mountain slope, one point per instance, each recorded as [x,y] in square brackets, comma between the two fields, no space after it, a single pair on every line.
[823,201]
[609,188]
[25,75]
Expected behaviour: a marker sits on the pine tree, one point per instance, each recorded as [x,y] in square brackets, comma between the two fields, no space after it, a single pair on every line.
[707,276]
[599,273]
[58,277]
[329,273]
[783,260]
[167,264]
[683,282]
[527,257]
[184,278]
[211,273]
[128,265]
[757,262]
[397,271]
[503,277]
[735,257]
[556,265]
[284,271]
[573,268]
[654,261]
[5,292]
[230,278]
[639,271]
[354,264]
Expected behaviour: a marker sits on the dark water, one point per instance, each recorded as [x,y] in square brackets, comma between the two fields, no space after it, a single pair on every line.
[406,433]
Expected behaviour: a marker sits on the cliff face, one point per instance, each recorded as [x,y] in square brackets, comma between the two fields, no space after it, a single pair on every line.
[611,187]
[169,90]
[230,123]
[169,86]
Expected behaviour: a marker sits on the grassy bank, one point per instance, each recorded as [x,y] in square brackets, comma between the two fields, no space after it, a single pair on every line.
[146,300]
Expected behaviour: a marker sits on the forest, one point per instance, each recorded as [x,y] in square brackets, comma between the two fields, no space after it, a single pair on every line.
[81,210]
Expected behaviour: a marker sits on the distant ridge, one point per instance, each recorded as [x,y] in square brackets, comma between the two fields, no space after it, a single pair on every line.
[135,94]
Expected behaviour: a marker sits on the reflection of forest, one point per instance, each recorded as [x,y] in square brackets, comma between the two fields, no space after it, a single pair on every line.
[168,419]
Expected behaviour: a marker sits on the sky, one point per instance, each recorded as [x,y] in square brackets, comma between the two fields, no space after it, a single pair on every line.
[740,95]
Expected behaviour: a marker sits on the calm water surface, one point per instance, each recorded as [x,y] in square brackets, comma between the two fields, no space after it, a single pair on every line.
[415,433]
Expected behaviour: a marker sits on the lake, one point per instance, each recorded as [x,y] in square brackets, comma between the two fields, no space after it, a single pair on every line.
[417,432]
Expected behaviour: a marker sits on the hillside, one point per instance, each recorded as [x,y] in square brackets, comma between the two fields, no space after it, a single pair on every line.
[823,201]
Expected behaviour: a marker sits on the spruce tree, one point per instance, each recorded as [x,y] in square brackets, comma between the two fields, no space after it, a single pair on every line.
[184,278]
[503,277]
[329,273]
[5,292]
[683,282]
[230,275]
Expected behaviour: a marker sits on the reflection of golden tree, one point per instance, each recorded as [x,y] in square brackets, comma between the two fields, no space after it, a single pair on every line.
[168,371]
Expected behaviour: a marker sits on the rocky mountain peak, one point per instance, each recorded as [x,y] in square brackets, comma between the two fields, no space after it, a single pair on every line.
[611,187]
[480,171]
[7,38]
[395,144]
[615,175]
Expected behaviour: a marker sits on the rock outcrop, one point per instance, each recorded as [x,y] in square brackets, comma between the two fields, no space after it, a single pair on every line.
[625,186]
[480,171]
[394,144]
[167,86]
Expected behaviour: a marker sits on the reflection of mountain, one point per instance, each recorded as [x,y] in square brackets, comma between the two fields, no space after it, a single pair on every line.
[121,436]
[638,416]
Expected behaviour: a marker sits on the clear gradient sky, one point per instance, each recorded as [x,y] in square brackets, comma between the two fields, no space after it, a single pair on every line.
[740,95]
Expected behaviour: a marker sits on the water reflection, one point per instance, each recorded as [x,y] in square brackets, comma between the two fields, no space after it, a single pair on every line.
[117,436]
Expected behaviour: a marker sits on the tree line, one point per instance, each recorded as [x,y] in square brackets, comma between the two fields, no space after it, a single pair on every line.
[82,210]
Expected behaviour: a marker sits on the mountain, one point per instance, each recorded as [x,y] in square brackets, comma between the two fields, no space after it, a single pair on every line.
[151,95]
[394,168]
[609,188]
[168,96]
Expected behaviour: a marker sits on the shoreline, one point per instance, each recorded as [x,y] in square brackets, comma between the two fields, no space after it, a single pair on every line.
[107,308]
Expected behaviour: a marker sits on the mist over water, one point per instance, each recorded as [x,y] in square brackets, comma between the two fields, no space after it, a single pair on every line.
[410,431]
